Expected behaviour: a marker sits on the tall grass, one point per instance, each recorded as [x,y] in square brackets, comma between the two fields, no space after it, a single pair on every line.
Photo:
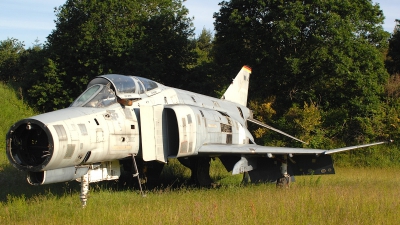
[353,196]
[12,110]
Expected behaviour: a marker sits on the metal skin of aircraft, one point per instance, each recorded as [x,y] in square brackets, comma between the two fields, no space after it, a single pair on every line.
[123,122]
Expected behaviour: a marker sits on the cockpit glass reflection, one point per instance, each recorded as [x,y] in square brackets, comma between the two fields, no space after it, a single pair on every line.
[148,84]
[97,96]
[123,84]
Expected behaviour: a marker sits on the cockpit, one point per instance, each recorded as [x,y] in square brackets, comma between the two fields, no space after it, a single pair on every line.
[109,89]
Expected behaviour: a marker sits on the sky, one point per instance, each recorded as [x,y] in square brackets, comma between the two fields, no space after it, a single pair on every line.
[30,20]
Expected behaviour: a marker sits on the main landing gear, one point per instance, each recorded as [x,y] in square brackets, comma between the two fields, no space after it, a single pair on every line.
[200,168]
[273,169]
[284,181]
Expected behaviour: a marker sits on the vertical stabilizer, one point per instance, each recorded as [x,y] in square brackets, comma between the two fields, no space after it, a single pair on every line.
[237,91]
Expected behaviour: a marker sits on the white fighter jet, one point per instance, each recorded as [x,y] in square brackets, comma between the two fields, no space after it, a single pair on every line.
[132,122]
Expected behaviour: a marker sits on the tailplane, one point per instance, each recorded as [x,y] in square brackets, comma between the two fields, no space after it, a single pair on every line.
[237,91]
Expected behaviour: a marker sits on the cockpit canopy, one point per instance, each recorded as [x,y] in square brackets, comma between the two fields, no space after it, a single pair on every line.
[96,96]
[104,90]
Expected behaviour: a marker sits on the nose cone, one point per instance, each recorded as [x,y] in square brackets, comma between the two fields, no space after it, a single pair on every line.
[29,145]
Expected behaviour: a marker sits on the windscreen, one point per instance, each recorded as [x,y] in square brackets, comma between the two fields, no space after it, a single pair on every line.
[96,96]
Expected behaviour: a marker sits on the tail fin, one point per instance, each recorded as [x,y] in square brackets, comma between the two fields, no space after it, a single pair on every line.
[237,91]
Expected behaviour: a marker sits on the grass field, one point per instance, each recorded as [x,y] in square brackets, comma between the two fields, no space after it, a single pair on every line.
[352,196]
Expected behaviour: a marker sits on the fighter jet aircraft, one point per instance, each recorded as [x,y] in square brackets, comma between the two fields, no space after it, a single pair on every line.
[128,121]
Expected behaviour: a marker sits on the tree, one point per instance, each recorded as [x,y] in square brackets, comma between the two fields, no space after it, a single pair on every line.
[21,67]
[204,46]
[10,54]
[326,52]
[393,85]
[50,85]
[149,39]
[393,55]
[201,78]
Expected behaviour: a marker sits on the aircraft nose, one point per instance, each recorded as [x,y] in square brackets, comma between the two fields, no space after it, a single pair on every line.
[29,145]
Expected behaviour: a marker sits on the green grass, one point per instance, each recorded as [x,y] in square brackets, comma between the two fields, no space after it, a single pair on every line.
[12,110]
[353,196]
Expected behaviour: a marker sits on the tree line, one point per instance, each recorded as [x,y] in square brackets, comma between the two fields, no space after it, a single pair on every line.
[324,71]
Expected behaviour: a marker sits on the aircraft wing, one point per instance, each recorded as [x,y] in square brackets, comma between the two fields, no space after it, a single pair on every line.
[356,147]
[258,149]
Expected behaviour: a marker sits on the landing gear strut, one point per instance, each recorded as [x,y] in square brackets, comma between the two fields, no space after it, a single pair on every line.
[84,189]
[284,180]
[200,168]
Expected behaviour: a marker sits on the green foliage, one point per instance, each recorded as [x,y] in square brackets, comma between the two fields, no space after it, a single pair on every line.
[201,77]
[263,112]
[327,52]
[149,39]
[393,106]
[50,92]
[393,55]
[10,54]
[393,122]
[204,46]
[384,156]
[12,110]
[307,125]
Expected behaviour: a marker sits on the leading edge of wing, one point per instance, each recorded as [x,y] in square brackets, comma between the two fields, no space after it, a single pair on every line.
[258,149]
[254,149]
[356,147]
